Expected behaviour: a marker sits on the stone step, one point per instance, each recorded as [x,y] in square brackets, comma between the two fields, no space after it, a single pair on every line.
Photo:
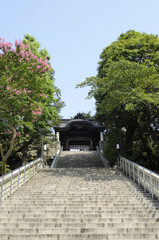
[54,219]
[76,197]
[72,205]
[78,225]
[78,203]
[71,208]
[76,200]
[68,201]
[76,194]
[81,236]
[75,203]
[77,230]
[79,159]
[74,215]
[95,213]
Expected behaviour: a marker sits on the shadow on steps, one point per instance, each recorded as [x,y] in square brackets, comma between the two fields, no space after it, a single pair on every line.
[79,159]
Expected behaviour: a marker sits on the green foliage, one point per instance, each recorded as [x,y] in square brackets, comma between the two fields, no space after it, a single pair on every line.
[7,168]
[85,115]
[88,115]
[29,98]
[126,90]
[109,150]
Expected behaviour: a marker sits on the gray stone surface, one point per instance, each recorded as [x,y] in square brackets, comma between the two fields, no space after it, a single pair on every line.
[79,159]
[52,149]
[86,203]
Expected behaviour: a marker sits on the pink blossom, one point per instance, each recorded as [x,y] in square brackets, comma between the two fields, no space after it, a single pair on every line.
[44,69]
[2,39]
[24,90]
[8,88]
[8,44]
[38,112]
[23,54]
[6,49]
[43,95]
[39,60]
[34,112]
[26,54]
[16,43]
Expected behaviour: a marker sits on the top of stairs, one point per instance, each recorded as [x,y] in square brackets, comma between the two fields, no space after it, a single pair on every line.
[79,159]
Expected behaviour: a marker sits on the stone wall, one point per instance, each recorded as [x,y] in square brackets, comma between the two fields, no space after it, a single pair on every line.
[51,149]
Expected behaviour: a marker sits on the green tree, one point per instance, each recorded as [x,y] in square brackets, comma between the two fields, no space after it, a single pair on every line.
[29,98]
[52,103]
[85,115]
[126,90]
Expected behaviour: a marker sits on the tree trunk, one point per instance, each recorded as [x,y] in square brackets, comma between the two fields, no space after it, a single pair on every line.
[5,157]
[4,170]
[130,131]
[24,155]
[3,160]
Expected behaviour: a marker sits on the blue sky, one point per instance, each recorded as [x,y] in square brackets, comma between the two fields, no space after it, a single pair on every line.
[75,32]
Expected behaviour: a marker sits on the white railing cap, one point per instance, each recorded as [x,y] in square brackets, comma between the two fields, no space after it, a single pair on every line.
[146,170]
[15,171]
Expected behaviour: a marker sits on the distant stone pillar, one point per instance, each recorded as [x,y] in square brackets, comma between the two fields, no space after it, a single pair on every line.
[101,137]
[91,144]
[67,145]
[58,136]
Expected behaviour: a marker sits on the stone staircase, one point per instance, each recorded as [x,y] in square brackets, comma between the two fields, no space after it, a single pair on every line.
[79,159]
[86,203]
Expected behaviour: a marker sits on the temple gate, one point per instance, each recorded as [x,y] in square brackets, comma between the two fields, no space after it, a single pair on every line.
[79,133]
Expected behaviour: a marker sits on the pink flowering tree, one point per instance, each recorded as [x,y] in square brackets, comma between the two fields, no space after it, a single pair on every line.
[27,91]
